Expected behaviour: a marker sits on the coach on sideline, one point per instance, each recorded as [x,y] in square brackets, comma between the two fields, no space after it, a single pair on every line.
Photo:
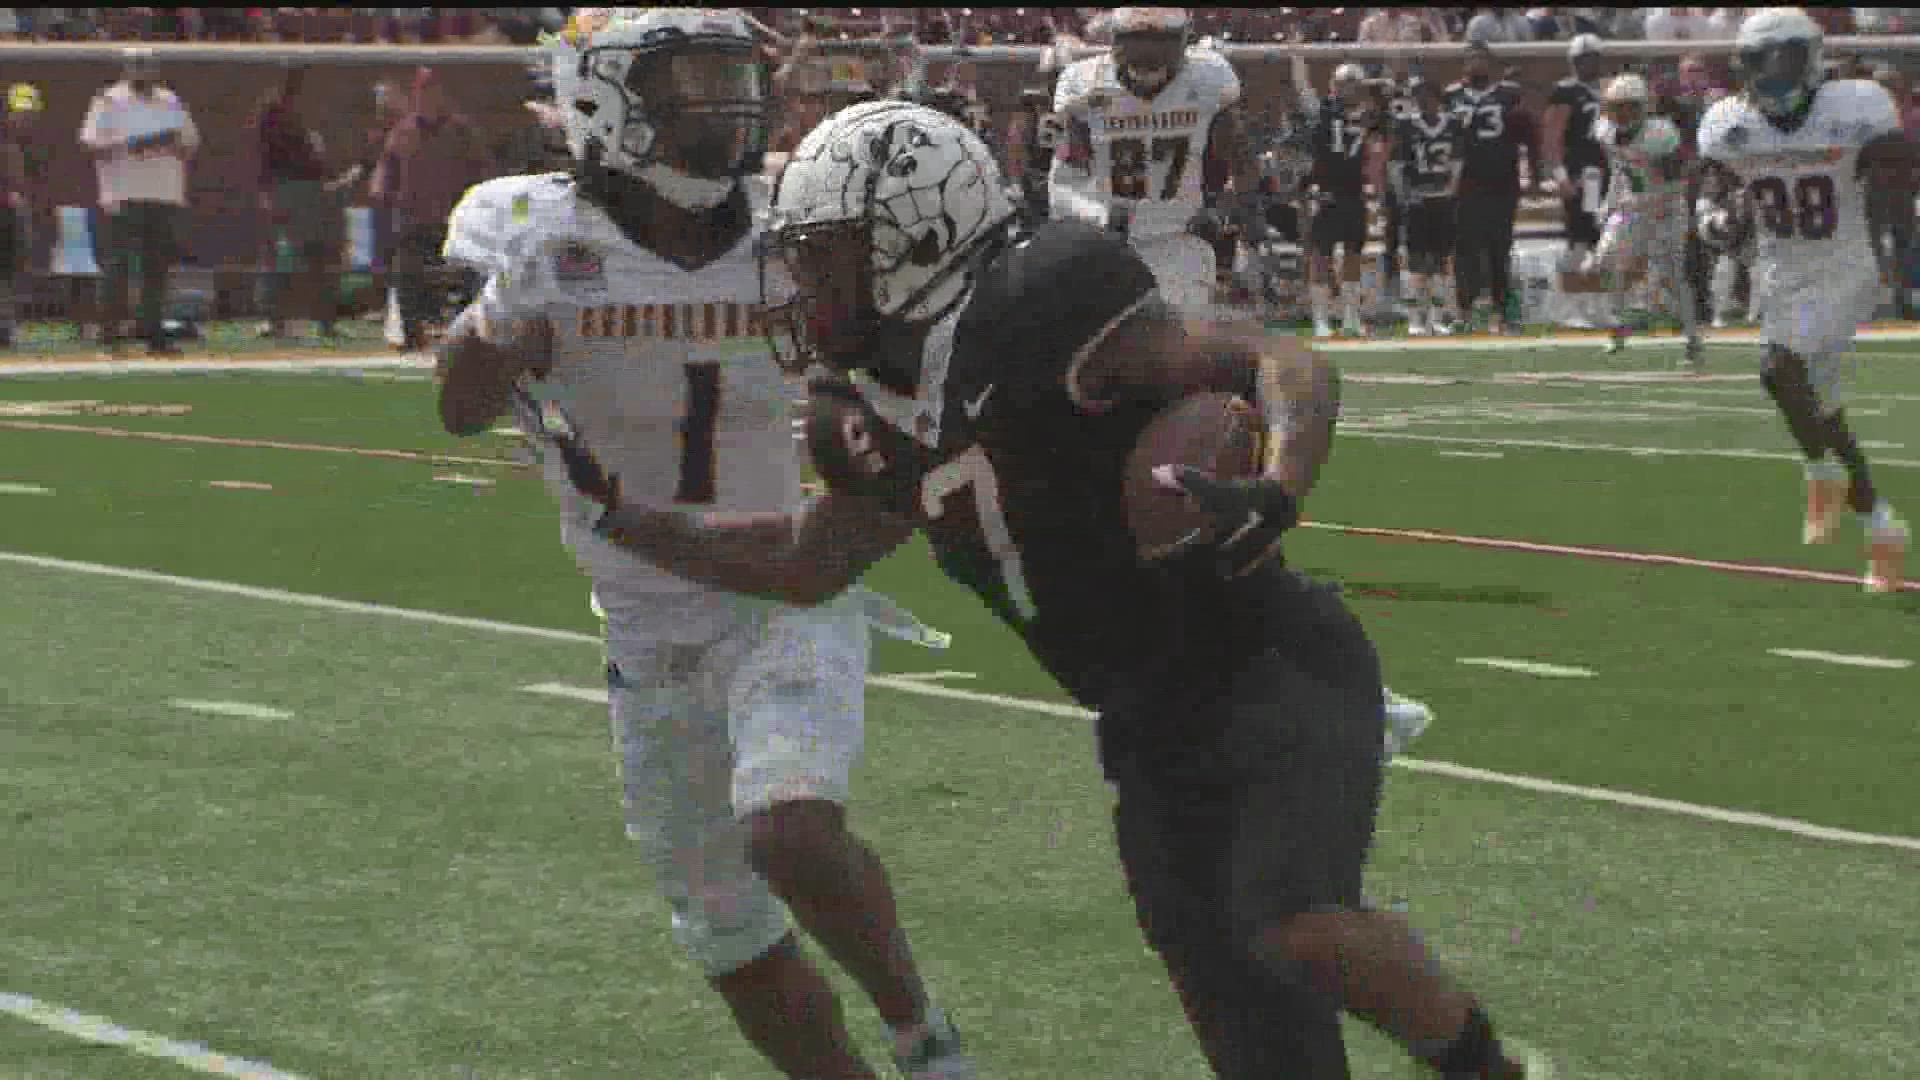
[141,137]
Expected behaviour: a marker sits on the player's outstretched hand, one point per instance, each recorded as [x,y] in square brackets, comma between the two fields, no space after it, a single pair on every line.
[1250,515]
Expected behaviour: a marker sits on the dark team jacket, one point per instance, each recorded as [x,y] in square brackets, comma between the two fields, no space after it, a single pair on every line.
[1339,140]
[1494,127]
[1579,149]
[1426,150]
[1033,480]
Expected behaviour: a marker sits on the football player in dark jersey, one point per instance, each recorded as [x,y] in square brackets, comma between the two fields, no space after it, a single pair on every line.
[1495,127]
[988,386]
[1575,161]
[1426,174]
[1344,126]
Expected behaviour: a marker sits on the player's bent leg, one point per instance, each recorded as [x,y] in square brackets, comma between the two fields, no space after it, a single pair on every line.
[675,765]
[1295,887]
[796,700]
[1172,842]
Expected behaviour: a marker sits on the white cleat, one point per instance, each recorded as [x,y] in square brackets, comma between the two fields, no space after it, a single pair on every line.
[1407,720]
[1536,1063]
[1417,330]
[1886,558]
[1321,329]
[936,1054]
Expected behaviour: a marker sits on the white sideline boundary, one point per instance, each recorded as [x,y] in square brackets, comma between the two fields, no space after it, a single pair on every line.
[908,685]
[104,1032]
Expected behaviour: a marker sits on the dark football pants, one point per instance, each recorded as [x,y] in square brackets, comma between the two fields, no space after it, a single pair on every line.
[1273,818]
[1483,259]
[149,231]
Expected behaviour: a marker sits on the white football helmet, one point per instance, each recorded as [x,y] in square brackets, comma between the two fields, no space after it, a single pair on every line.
[671,96]
[1626,99]
[877,218]
[1778,52]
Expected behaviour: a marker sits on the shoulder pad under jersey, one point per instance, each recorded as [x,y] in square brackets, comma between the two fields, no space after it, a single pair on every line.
[499,220]
[1213,76]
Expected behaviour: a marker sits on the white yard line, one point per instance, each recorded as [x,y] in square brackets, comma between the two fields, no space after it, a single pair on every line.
[1844,659]
[910,686]
[1529,667]
[100,1030]
[244,710]
[1605,448]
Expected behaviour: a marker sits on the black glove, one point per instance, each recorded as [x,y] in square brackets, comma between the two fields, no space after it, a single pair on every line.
[1249,515]
[856,450]
[1119,218]
[1208,224]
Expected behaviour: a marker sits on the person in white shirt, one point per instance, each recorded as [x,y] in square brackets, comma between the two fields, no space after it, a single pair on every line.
[141,136]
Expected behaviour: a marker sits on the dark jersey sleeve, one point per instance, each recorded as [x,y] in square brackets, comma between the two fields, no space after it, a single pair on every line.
[1048,298]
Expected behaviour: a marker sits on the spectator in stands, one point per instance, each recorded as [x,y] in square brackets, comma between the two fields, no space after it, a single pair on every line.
[1392,26]
[141,137]
[1499,25]
[304,202]
[431,156]
[1677,24]
[1724,23]
[24,155]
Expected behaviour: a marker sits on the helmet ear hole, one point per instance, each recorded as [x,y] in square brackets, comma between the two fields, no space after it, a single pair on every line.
[926,250]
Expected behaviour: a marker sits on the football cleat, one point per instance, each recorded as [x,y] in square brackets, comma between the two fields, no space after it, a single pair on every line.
[1886,558]
[936,1055]
[1534,1064]
[1321,329]
[1826,498]
[1407,720]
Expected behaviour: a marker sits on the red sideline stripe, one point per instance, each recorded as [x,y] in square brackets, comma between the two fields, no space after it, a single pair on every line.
[1789,573]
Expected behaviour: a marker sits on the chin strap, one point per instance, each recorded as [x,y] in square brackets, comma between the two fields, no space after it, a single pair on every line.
[686,192]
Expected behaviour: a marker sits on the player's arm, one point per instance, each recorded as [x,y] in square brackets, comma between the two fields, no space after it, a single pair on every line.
[1553,137]
[480,359]
[803,558]
[1890,164]
[1155,354]
[872,473]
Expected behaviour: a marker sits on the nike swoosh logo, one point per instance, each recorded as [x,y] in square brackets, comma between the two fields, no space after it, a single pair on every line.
[974,407]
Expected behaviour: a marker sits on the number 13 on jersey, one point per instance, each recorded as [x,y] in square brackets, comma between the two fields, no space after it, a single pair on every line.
[972,469]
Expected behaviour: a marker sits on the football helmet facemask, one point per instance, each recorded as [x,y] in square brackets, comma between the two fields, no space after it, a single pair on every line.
[878,222]
[1626,99]
[673,97]
[1149,45]
[1778,52]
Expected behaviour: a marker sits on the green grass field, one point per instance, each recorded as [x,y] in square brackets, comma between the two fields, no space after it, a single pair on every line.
[402,862]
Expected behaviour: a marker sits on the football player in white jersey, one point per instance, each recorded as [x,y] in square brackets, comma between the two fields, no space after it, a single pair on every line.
[1645,213]
[1152,132]
[1800,152]
[626,295]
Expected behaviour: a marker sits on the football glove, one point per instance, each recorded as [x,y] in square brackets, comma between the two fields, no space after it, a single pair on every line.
[1249,515]
[855,450]
[1208,224]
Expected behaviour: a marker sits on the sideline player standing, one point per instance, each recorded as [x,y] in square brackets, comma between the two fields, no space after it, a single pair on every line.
[1495,128]
[1647,214]
[1142,120]
[1575,159]
[1343,128]
[1426,173]
[1802,151]
[1240,703]
[737,721]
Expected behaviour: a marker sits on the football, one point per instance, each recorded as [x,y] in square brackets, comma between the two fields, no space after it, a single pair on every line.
[1215,432]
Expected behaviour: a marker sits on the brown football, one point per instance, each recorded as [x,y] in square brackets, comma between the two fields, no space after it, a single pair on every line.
[1216,432]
